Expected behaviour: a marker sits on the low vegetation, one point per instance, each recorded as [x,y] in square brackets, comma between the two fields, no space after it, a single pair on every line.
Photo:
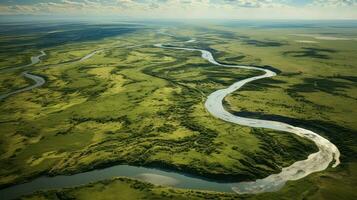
[136,104]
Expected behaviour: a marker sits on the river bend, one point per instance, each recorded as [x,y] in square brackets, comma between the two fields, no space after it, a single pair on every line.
[315,162]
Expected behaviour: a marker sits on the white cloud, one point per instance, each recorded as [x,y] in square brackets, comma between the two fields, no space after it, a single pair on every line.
[234,9]
[335,3]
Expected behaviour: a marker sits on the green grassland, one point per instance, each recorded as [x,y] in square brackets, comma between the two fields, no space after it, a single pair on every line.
[136,104]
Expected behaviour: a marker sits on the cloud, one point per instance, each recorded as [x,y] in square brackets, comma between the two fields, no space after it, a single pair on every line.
[335,3]
[236,9]
[252,3]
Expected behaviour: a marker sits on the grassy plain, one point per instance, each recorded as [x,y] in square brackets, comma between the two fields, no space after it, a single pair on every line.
[136,104]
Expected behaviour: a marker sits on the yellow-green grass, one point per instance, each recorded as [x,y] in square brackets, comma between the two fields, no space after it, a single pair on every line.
[142,105]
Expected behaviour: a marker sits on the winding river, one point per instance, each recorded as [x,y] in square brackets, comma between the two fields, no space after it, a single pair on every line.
[315,162]
[38,80]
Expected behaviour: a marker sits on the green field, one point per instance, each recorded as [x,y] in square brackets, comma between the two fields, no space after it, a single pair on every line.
[133,103]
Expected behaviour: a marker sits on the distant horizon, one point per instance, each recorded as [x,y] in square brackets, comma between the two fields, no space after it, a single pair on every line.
[81,18]
[186,9]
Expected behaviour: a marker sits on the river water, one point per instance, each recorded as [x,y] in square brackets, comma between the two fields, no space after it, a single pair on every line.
[315,162]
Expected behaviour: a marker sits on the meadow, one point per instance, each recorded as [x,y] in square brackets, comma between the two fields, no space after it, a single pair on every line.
[133,103]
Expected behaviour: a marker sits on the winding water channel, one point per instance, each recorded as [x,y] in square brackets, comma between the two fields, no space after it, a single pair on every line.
[315,162]
[38,80]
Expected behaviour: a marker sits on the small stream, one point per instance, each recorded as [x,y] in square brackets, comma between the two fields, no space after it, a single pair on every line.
[38,80]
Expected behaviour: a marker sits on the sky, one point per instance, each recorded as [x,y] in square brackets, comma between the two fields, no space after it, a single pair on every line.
[186,9]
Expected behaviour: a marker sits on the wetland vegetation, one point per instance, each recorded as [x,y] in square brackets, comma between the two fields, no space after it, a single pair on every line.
[132,103]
